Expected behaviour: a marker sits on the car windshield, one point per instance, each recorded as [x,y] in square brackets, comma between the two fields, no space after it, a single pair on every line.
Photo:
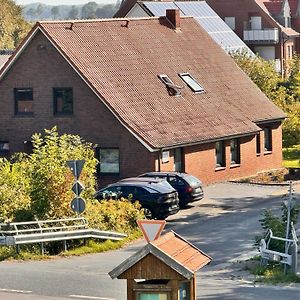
[192,181]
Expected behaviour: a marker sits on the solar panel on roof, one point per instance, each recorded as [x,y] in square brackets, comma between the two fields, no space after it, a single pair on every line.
[196,9]
[208,20]
[160,9]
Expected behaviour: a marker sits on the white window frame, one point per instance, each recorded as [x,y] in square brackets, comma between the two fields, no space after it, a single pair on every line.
[191,82]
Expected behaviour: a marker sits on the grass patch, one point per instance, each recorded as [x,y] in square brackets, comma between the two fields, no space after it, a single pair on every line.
[94,246]
[28,253]
[291,157]
[272,274]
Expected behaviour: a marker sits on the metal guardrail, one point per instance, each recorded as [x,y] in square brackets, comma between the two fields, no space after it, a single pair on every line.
[19,233]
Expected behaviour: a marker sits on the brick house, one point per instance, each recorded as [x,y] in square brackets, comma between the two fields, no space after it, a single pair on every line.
[264,25]
[152,93]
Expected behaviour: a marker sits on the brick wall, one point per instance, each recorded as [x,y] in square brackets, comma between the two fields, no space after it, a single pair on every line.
[43,69]
[200,159]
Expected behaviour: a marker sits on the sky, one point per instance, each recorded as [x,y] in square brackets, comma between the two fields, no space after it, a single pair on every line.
[60,2]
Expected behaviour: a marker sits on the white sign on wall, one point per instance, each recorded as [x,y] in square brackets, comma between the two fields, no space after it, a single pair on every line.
[165,156]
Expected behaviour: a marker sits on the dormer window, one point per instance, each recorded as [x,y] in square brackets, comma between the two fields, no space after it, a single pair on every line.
[191,82]
[172,89]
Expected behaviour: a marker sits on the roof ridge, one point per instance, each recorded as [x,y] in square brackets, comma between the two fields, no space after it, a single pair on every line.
[105,20]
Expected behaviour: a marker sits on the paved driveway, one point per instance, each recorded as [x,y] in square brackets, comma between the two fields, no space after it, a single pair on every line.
[223,225]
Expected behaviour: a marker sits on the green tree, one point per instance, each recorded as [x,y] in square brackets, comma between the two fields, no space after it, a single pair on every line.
[55,12]
[13,27]
[73,13]
[88,10]
[285,93]
[261,72]
[51,179]
[105,11]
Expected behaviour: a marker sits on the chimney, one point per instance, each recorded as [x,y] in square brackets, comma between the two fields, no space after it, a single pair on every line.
[173,15]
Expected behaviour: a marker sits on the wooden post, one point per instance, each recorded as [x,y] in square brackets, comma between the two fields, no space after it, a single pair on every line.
[130,293]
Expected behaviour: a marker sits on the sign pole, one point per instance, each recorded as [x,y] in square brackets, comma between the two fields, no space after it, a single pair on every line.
[76,176]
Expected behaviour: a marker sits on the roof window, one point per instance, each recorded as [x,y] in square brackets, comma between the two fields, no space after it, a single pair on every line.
[172,89]
[191,82]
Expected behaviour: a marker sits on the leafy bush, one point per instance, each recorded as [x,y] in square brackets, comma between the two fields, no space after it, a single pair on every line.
[14,186]
[51,178]
[39,186]
[120,215]
[277,225]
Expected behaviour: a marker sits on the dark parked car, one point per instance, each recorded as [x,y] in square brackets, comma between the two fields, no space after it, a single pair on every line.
[158,199]
[189,187]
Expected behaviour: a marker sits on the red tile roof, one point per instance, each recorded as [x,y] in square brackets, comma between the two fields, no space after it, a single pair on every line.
[182,251]
[274,6]
[271,7]
[120,60]
[172,250]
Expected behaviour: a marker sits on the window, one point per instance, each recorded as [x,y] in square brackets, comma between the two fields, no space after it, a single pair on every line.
[172,89]
[63,101]
[165,79]
[258,151]
[109,161]
[152,296]
[23,101]
[220,154]
[4,148]
[255,23]
[178,160]
[235,152]
[191,82]
[28,147]
[268,139]
[230,21]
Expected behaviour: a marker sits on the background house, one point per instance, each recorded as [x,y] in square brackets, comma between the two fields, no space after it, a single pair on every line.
[152,93]
[266,31]
[221,33]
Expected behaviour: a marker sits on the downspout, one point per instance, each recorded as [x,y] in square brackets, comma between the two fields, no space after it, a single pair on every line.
[159,159]
[283,54]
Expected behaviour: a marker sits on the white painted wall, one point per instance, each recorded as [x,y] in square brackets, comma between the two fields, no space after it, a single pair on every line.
[266,52]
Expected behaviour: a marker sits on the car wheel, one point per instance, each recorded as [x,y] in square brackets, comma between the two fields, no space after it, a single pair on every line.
[148,213]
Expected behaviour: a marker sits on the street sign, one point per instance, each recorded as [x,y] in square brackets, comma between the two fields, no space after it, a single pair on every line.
[76,167]
[77,188]
[151,229]
[78,205]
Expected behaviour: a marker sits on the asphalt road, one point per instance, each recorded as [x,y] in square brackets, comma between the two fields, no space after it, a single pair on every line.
[223,225]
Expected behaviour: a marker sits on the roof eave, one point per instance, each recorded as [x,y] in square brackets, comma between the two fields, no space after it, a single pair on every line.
[212,140]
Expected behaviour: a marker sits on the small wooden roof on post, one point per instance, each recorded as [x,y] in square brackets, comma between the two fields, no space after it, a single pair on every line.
[168,257]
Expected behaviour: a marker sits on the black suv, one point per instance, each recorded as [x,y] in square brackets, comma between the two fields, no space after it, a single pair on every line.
[189,187]
[158,199]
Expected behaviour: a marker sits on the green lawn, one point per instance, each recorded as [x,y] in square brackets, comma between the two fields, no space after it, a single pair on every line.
[291,157]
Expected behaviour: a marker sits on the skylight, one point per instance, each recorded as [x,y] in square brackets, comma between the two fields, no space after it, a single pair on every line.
[165,79]
[172,89]
[191,82]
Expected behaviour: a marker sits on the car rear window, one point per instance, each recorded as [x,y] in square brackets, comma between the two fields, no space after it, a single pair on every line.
[192,180]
